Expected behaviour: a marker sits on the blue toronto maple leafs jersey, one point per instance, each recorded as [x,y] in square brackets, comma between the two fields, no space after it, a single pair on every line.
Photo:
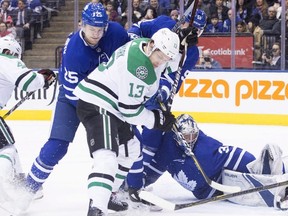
[79,59]
[161,153]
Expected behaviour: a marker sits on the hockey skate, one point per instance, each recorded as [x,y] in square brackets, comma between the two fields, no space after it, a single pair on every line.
[138,203]
[94,211]
[116,206]
[15,198]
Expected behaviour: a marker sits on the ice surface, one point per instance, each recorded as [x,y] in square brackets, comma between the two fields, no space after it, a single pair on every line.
[65,192]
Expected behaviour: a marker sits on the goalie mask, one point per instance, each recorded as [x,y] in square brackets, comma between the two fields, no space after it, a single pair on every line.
[188,127]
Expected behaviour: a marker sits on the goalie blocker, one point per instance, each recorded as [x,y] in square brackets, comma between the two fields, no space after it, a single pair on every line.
[6,137]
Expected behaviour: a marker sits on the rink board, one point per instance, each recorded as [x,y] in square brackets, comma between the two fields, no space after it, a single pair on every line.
[250,97]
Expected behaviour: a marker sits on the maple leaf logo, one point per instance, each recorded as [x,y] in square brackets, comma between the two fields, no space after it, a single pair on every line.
[182,179]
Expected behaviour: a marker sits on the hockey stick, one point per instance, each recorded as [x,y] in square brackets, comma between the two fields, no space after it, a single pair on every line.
[145,195]
[192,8]
[191,4]
[18,104]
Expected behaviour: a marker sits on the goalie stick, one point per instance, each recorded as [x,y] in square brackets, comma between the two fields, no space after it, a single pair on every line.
[148,196]
[188,151]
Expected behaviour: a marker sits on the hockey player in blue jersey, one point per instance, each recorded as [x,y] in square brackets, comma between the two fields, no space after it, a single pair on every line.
[165,152]
[84,50]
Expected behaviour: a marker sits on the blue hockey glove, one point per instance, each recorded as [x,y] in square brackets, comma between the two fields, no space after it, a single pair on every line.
[153,103]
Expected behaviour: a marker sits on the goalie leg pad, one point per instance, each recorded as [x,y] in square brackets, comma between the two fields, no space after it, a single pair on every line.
[6,136]
[247,181]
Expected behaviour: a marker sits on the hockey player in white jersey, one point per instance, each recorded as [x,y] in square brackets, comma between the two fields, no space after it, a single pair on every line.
[115,93]
[14,73]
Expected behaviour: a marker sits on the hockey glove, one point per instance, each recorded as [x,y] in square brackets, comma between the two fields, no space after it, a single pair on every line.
[163,120]
[154,102]
[49,77]
[188,35]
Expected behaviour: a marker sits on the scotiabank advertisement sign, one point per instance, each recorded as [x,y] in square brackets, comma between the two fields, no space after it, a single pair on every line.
[220,49]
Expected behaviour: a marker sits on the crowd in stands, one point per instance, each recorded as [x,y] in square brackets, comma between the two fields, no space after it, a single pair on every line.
[258,18]
[24,20]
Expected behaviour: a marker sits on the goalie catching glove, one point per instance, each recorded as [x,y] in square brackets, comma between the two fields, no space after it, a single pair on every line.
[164,120]
[49,77]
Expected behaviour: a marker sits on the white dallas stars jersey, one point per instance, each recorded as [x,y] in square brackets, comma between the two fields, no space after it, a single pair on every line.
[14,73]
[122,85]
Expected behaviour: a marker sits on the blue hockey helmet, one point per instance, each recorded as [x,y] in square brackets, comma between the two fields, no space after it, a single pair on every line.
[188,127]
[200,19]
[94,14]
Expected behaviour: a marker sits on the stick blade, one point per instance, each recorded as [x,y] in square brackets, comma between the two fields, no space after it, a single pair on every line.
[158,201]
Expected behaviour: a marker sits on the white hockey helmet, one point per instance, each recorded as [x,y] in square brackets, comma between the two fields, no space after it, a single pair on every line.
[10,46]
[188,127]
[166,41]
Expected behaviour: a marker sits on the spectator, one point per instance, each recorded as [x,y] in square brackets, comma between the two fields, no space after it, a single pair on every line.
[149,13]
[215,26]
[253,23]
[3,30]
[22,17]
[158,8]
[219,9]
[4,10]
[207,62]
[261,8]
[227,22]
[272,58]
[174,14]
[37,9]
[11,27]
[242,11]
[269,25]
[278,8]
[241,27]
[111,12]
[124,18]
[136,8]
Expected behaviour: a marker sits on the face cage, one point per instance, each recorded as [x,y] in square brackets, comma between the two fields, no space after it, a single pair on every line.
[191,138]
[8,52]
